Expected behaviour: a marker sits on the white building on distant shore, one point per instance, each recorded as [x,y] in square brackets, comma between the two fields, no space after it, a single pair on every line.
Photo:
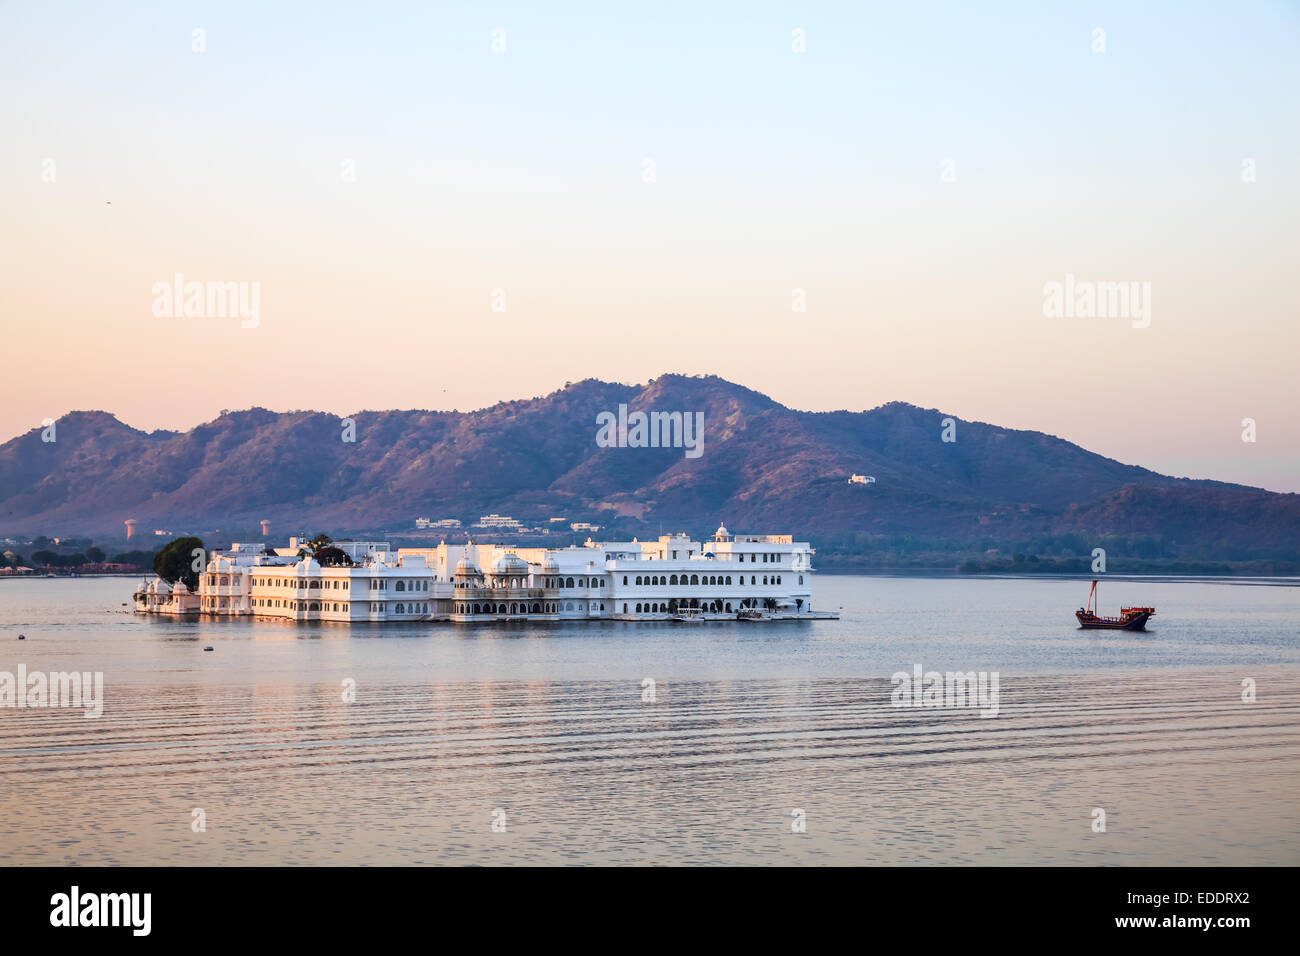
[756,574]
[496,522]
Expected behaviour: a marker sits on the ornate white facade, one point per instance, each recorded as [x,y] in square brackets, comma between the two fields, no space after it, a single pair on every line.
[627,580]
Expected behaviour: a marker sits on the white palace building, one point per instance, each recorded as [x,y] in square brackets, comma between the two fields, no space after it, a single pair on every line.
[674,576]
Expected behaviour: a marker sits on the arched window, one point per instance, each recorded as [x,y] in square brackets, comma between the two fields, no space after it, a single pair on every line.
[401,608]
[401,585]
[568,583]
[625,579]
[695,579]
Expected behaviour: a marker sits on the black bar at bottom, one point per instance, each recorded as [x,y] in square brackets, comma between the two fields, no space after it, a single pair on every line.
[937,905]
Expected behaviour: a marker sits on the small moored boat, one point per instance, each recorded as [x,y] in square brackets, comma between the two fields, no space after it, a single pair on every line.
[1130,618]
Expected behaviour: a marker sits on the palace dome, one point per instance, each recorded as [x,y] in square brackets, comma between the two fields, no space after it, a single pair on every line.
[510,564]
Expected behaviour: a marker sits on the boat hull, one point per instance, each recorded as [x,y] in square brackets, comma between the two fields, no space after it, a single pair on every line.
[1131,622]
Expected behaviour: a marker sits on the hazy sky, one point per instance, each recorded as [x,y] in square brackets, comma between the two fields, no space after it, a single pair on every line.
[379,170]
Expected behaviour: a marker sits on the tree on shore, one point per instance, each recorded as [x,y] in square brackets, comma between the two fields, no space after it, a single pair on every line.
[332,557]
[180,560]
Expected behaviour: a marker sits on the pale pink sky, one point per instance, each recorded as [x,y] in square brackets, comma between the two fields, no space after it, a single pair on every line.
[523,171]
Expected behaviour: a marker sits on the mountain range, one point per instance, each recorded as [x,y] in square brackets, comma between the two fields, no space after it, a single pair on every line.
[763,467]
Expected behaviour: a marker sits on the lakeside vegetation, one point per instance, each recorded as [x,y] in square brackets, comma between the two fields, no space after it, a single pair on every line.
[1019,565]
[1064,554]
[69,555]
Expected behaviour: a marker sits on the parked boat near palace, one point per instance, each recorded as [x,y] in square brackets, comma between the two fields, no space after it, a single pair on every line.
[1130,618]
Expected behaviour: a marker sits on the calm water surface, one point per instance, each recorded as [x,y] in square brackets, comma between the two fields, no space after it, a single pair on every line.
[546,727]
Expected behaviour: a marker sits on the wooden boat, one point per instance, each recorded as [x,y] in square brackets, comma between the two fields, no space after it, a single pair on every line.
[1130,618]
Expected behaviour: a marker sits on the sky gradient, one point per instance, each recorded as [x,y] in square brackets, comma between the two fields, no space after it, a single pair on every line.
[523,170]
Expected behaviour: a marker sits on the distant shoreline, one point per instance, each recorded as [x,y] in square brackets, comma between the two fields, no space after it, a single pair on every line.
[887,572]
[1239,578]
[89,574]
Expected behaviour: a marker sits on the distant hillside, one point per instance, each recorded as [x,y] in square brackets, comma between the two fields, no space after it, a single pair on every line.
[763,467]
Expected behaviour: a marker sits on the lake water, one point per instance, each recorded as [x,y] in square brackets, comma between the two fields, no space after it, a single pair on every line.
[546,732]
